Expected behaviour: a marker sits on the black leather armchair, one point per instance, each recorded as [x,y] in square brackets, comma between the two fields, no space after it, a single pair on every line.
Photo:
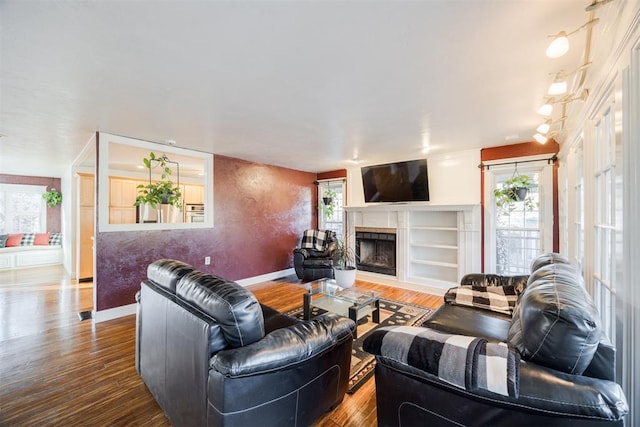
[314,258]
[211,355]
[561,371]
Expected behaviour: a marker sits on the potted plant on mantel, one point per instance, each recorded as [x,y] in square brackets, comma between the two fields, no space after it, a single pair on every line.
[344,270]
[161,192]
[515,189]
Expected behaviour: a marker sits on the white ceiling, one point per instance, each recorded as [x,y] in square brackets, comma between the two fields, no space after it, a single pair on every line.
[301,84]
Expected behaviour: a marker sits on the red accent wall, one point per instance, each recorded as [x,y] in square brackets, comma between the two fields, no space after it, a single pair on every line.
[54,223]
[522,150]
[260,212]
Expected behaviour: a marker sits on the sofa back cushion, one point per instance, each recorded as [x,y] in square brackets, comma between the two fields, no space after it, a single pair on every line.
[166,273]
[555,323]
[234,307]
[546,259]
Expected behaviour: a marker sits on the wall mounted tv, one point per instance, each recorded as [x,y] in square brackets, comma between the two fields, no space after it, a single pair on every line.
[396,182]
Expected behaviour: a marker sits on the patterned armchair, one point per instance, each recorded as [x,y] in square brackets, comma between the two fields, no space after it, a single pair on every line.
[314,258]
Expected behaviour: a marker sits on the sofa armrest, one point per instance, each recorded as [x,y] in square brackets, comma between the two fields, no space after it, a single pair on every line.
[294,344]
[542,391]
[418,354]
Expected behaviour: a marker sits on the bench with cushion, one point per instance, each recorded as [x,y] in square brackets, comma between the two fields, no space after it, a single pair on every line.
[19,250]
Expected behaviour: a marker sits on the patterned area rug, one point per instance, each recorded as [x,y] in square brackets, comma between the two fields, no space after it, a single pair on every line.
[392,313]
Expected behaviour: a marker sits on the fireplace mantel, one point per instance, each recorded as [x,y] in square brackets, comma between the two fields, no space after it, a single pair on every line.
[436,244]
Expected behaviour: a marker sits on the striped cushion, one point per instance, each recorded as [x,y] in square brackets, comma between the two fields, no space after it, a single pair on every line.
[27,239]
[56,239]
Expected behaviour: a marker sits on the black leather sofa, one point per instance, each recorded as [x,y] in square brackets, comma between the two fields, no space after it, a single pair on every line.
[211,355]
[559,368]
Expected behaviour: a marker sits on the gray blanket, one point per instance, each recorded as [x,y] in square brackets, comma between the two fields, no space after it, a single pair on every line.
[470,363]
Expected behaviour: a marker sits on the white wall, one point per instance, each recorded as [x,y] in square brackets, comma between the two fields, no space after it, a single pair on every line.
[454,179]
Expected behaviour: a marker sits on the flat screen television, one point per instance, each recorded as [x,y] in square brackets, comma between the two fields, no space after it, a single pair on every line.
[396,182]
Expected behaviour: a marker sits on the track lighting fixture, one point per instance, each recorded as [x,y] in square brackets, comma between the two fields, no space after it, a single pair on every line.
[560,44]
[544,127]
[559,85]
[547,108]
[540,138]
[596,4]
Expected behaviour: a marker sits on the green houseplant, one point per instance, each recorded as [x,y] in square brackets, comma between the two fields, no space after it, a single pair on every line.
[515,189]
[344,269]
[328,204]
[163,191]
[53,197]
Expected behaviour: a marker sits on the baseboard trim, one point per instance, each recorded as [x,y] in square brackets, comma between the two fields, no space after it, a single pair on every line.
[366,276]
[113,313]
[127,310]
[265,277]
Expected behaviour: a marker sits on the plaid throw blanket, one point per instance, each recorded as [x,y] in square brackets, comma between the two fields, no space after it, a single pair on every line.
[314,239]
[501,299]
[470,363]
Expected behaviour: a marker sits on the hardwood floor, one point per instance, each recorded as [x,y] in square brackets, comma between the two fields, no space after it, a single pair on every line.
[58,370]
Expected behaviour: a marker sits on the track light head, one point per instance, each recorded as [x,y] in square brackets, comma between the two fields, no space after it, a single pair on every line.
[559,46]
[596,4]
[540,138]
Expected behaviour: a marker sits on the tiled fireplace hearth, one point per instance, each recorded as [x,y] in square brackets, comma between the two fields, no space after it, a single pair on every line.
[429,246]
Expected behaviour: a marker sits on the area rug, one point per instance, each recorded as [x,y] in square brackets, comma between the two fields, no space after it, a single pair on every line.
[392,313]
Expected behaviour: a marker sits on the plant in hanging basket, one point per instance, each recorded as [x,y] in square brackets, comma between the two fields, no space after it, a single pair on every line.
[328,204]
[163,191]
[515,189]
[53,197]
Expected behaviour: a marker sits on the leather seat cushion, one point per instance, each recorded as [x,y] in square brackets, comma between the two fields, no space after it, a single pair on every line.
[234,307]
[317,263]
[469,321]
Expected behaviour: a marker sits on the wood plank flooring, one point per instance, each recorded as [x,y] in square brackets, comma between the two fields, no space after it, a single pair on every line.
[57,370]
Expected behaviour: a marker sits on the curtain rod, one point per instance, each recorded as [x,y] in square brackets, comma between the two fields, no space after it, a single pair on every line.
[549,160]
[329,180]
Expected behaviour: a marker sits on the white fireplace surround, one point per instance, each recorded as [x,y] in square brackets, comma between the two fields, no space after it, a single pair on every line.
[435,244]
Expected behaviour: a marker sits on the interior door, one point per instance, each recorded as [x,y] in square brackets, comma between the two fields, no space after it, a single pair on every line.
[86,227]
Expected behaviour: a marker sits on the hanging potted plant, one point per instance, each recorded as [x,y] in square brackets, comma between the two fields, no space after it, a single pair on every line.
[513,190]
[53,197]
[344,269]
[162,192]
[328,204]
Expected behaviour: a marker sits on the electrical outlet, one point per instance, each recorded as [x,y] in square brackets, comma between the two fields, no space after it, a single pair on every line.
[207,260]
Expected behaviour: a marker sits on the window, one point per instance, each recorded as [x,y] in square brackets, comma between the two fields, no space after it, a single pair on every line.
[22,209]
[119,178]
[606,206]
[335,221]
[518,233]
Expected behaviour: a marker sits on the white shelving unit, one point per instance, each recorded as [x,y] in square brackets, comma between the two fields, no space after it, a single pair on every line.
[436,244]
[433,247]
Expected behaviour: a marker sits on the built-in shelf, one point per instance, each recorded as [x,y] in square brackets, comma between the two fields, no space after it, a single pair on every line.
[436,245]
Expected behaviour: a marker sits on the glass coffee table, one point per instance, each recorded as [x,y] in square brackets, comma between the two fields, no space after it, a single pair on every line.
[348,302]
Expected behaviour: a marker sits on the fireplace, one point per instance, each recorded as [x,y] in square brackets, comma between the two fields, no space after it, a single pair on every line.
[376,250]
